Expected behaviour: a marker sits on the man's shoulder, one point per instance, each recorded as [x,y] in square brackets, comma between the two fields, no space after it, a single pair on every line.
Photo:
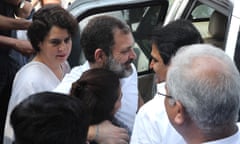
[153,107]
[69,78]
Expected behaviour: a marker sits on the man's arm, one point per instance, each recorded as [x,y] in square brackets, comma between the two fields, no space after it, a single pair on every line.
[34,2]
[107,133]
[24,9]
[23,46]
[7,23]
[13,2]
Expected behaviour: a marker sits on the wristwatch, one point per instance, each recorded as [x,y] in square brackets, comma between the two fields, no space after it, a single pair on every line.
[21,4]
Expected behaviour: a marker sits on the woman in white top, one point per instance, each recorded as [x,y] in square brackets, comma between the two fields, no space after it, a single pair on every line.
[50,35]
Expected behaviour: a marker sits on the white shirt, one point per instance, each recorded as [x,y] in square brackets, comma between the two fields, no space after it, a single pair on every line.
[234,139]
[152,125]
[129,85]
[31,78]
[69,78]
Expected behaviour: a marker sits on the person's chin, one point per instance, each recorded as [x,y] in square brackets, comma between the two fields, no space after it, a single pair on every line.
[128,65]
[128,72]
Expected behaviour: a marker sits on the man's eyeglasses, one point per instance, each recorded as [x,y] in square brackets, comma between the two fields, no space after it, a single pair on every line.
[168,96]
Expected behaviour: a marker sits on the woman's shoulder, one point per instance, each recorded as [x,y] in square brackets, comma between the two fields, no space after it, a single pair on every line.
[32,70]
[33,67]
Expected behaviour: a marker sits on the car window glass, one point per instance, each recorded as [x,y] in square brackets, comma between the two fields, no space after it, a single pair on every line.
[210,23]
[202,11]
[141,21]
[170,4]
[200,17]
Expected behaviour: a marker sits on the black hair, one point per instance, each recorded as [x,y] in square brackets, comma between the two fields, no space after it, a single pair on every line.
[45,18]
[50,118]
[99,89]
[174,35]
[99,33]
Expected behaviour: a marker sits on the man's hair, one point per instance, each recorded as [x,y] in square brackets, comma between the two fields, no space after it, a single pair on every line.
[210,99]
[171,37]
[98,88]
[47,17]
[50,118]
[99,33]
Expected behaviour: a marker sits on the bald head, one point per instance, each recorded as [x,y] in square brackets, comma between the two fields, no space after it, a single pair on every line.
[208,67]
[206,81]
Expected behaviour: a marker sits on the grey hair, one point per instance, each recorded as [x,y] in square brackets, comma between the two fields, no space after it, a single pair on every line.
[211,101]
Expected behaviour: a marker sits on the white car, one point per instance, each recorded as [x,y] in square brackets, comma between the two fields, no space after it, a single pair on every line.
[217,20]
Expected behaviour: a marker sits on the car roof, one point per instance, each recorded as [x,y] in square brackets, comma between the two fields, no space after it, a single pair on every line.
[84,8]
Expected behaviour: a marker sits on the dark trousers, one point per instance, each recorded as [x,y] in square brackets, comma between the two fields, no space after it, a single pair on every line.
[8,69]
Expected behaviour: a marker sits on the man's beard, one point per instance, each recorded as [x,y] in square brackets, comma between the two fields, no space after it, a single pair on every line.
[120,69]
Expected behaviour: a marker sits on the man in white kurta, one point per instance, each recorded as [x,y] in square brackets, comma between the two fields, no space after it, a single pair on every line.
[152,125]
[126,113]
[234,139]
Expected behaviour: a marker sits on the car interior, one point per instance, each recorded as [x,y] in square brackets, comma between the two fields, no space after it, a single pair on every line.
[216,28]
[211,24]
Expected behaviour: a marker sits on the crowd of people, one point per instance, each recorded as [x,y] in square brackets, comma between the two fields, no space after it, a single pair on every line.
[44,101]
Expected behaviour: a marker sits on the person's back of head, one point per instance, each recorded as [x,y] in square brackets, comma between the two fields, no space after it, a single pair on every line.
[174,35]
[99,89]
[99,33]
[207,84]
[50,118]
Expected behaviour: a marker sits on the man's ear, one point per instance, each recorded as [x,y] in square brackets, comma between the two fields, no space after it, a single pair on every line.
[100,55]
[180,113]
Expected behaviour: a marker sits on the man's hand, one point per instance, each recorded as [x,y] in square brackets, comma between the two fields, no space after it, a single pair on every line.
[107,133]
[24,47]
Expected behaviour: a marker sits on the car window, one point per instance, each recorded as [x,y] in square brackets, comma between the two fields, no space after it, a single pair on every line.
[141,21]
[211,24]
[170,4]
[202,11]
[200,17]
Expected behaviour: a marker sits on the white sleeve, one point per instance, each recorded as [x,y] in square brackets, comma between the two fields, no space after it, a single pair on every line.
[66,84]
[144,130]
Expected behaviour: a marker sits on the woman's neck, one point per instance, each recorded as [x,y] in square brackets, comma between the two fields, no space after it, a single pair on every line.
[55,68]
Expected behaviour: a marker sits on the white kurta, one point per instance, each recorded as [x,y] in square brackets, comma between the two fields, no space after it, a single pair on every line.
[234,139]
[127,112]
[152,125]
[32,78]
